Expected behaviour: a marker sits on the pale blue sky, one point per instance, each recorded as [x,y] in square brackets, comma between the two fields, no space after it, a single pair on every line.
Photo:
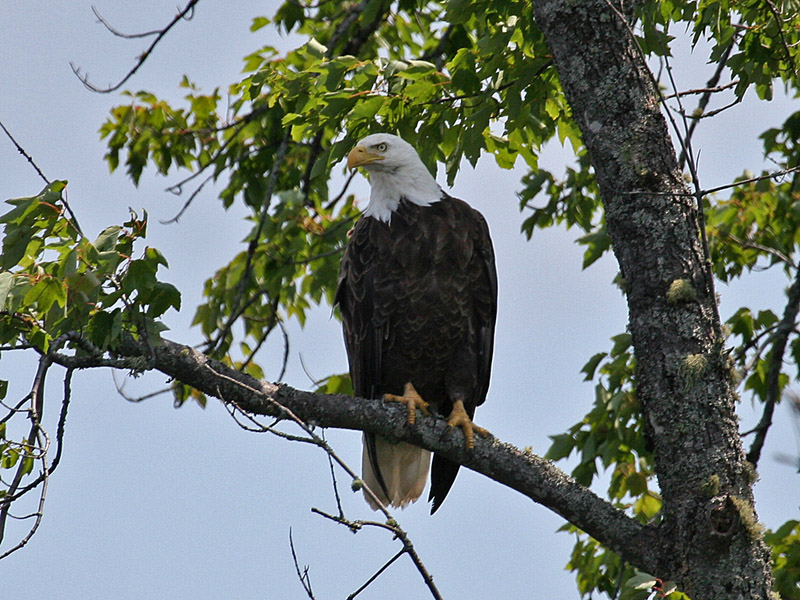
[152,502]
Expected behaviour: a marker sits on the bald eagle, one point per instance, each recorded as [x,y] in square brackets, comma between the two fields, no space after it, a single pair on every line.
[418,298]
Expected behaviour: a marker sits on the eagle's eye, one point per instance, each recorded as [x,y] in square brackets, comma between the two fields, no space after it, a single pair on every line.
[382,147]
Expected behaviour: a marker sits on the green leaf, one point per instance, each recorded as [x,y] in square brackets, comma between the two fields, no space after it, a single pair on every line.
[562,446]
[597,243]
[6,282]
[163,297]
[45,293]
[259,22]
[591,366]
[107,239]
[140,276]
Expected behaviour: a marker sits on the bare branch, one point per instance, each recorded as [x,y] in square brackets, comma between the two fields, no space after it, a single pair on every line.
[305,580]
[695,117]
[752,244]
[711,89]
[285,361]
[189,200]
[773,175]
[377,574]
[784,329]
[27,156]
[116,32]
[408,548]
[136,399]
[159,35]
[334,482]
[719,188]
[391,523]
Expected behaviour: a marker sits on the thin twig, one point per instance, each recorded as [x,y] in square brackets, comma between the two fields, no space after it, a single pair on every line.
[696,117]
[71,219]
[27,156]
[142,57]
[136,399]
[750,244]
[285,361]
[377,574]
[12,410]
[341,194]
[305,580]
[62,420]
[773,175]
[188,202]
[776,13]
[392,526]
[38,514]
[334,482]
[720,188]
[710,89]
[116,32]
[255,426]
[391,522]
[37,405]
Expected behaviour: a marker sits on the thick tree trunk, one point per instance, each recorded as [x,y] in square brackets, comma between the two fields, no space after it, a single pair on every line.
[710,541]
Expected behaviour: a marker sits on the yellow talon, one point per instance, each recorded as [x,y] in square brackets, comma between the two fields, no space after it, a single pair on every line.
[459,418]
[412,400]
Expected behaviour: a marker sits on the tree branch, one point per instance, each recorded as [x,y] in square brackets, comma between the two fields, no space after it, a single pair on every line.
[781,337]
[159,35]
[529,474]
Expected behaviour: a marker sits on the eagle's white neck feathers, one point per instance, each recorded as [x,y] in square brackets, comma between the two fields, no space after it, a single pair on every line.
[399,173]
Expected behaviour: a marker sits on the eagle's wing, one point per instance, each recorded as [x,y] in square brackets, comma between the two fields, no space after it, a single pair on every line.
[482,286]
[485,287]
[363,333]
[355,297]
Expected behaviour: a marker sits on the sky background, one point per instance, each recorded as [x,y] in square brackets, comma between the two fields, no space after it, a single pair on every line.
[153,502]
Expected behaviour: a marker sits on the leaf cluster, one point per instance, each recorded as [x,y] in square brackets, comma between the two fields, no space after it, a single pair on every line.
[785,547]
[55,281]
[610,436]
[456,80]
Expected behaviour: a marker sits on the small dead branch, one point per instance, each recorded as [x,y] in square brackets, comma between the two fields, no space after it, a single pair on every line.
[312,438]
[185,13]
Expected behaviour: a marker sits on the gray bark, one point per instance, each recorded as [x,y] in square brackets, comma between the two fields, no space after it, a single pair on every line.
[709,539]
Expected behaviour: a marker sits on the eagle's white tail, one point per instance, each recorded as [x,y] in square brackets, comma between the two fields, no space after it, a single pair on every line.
[404,469]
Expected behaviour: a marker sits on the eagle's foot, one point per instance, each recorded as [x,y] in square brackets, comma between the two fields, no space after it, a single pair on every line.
[412,400]
[459,418]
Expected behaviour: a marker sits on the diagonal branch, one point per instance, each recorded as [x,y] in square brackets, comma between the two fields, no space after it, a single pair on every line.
[711,88]
[781,337]
[71,219]
[313,438]
[159,35]
[527,473]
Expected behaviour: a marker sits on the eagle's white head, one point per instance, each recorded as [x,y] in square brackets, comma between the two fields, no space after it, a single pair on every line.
[395,171]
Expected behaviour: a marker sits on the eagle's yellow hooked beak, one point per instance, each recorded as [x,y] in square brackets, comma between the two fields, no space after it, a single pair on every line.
[360,156]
